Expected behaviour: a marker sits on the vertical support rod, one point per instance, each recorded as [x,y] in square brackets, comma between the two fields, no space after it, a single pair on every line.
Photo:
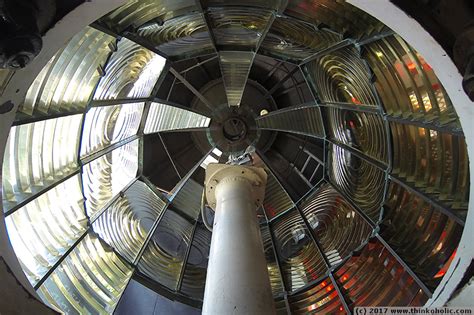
[237,276]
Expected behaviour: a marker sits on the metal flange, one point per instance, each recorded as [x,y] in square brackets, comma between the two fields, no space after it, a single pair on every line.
[219,173]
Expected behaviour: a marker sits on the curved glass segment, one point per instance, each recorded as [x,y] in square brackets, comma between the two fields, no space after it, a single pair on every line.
[67,82]
[126,222]
[107,125]
[43,230]
[374,277]
[106,176]
[301,261]
[342,76]
[337,226]
[194,277]
[164,256]
[359,180]
[38,155]
[90,280]
[131,72]
[180,37]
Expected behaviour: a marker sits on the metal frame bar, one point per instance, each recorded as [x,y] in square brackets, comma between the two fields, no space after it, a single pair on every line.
[294,132]
[340,294]
[353,205]
[325,259]
[287,304]
[186,257]
[277,86]
[315,241]
[23,119]
[277,259]
[375,37]
[105,244]
[123,291]
[130,36]
[385,244]
[40,192]
[405,266]
[181,183]
[370,109]
[150,234]
[191,88]
[164,291]
[453,130]
[274,68]
[177,188]
[269,222]
[339,45]
[436,204]
[363,156]
[199,64]
[110,102]
[111,201]
[169,156]
[310,193]
[111,147]
[61,259]
[173,104]
[265,31]
[83,235]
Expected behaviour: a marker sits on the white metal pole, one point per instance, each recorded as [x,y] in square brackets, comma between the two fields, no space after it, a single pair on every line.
[237,276]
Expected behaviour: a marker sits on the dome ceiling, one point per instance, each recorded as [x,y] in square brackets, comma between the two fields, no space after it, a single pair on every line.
[368,169]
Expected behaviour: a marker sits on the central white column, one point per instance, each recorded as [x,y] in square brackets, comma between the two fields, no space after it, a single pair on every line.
[237,276]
